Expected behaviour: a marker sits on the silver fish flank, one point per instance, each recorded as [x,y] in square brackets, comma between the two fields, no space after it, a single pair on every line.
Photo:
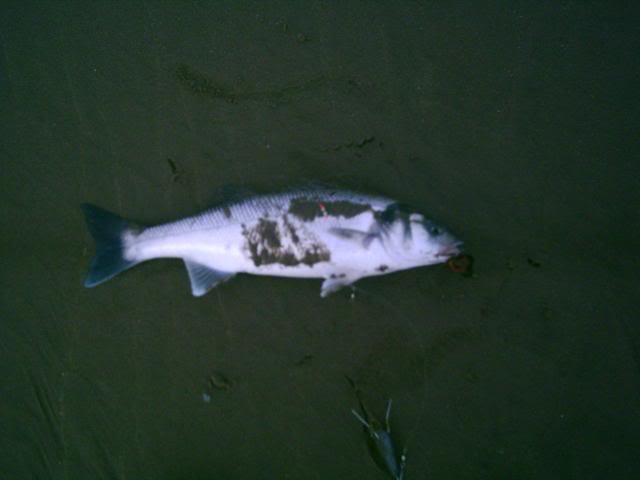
[338,236]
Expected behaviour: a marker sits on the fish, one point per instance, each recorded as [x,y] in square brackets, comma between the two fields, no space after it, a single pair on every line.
[381,445]
[335,235]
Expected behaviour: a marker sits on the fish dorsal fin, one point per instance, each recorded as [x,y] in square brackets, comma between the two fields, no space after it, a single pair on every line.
[204,278]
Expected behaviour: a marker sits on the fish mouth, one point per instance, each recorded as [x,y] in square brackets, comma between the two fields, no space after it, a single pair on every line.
[450,250]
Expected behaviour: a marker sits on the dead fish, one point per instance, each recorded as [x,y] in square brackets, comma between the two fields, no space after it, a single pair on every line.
[339,236]
[379,438]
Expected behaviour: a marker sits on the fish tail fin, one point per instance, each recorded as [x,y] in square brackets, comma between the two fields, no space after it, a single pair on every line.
[108,231]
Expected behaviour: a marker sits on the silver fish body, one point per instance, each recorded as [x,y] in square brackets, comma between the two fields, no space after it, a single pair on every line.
[335,235]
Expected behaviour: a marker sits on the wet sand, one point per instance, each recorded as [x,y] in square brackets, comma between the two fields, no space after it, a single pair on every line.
[515,127]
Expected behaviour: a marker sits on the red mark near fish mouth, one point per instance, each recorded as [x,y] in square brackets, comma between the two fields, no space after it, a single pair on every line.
[461,264]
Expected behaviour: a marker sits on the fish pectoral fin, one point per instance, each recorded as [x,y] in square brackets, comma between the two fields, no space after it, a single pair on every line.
[204,278]
[364,238]
[331,285]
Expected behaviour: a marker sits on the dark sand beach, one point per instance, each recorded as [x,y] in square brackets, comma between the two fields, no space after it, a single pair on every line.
[515,125]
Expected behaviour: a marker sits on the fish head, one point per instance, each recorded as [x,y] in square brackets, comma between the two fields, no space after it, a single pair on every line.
[415,240]
[434,243]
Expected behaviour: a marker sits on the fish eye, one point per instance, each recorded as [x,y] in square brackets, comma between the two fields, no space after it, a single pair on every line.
[433,229]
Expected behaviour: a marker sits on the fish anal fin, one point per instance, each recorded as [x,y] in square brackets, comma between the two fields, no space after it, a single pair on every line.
[334,283]
[204,278]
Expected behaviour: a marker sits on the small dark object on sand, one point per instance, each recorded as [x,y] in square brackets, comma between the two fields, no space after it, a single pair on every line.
[220,381]
[533,263]
[304,360]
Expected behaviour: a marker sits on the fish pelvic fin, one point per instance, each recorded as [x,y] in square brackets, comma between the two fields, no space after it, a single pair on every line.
[108,231]
[204,278]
